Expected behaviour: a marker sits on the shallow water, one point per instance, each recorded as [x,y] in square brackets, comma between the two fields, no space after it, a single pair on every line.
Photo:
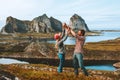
[108,67]
[11,61]
[94,67]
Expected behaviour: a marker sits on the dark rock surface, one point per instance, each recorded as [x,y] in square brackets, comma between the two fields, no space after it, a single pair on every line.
[77,22]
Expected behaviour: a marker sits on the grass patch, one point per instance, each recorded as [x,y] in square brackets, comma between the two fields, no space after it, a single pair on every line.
[46,72]
[35,72]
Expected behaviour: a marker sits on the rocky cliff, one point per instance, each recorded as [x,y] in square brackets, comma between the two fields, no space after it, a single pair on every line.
[38,24]
[41,24]
[15,25]
[77,22]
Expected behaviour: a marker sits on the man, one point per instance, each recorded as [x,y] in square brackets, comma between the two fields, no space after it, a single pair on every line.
[78,52]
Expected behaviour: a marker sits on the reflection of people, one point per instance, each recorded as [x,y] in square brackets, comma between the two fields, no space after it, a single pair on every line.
[78,52]
[60,38]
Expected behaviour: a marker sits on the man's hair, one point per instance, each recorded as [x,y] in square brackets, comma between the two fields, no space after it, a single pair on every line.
[83,32]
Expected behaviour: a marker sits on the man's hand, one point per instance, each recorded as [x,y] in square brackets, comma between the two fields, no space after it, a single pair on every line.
[64,25]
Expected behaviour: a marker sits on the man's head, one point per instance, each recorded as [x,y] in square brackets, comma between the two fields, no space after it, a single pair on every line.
[81,32]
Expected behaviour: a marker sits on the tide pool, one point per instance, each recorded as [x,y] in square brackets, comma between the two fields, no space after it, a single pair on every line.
[108,67]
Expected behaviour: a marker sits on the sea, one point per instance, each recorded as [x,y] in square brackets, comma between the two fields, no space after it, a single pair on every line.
[105,35]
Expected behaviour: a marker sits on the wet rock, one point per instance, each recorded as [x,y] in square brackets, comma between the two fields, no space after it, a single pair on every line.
[117,65]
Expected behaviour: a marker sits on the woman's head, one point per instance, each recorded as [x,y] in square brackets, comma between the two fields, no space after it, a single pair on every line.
[57,36]
[81,32]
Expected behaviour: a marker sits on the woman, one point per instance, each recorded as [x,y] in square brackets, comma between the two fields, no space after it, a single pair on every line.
[60,38]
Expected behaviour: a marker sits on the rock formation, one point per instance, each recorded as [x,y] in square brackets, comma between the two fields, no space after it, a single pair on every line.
[15,25]
[77,22]
[37,48]
[55,24]
[41,24]
[38,24]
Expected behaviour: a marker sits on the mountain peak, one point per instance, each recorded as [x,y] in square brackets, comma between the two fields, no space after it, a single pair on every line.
[77,22]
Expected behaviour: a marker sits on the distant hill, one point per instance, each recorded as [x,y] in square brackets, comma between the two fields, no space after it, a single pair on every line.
[41,24]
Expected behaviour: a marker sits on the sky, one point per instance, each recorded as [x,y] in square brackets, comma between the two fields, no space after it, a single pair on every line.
[98,14]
